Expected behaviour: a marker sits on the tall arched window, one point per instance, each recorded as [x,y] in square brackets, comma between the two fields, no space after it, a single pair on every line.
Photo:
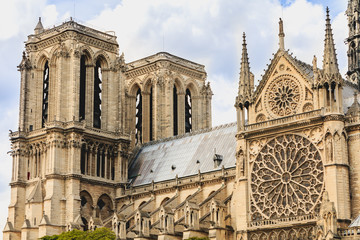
[188,118]
[45,100]
[98,162]
[151,115]
[82,87]
[175,110]
[97,95]
[138,120]
[83,164]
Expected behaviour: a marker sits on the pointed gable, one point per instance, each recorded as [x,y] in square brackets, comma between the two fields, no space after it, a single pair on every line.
[285,88]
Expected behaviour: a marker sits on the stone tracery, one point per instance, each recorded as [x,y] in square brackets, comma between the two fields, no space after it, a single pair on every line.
[284,96]
[286,179]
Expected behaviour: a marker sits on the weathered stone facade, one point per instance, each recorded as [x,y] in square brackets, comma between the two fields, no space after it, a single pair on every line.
[129,146]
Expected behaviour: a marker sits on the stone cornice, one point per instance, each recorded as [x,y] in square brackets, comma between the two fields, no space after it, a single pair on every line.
[42,41]
[18,184]
[169,57]
[68,127]
[165,61]
[183,183]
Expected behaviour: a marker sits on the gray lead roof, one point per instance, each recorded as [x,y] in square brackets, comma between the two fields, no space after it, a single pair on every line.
[184,155]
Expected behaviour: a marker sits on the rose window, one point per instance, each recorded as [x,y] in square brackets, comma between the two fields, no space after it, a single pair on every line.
[284,96]
[286,179]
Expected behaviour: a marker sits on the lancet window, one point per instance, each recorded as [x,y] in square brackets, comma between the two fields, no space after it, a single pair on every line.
[82,87]
[151,115]
[138,126]
[175,110]
[97,95]
[45,100]
[188,112]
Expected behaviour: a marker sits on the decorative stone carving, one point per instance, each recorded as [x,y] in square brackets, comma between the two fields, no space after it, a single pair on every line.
[308,107]
[241,162]
[260,118]
[284,234]
[329,148]
[258,106]
[316,134]
[255,147]
[308,94]
[283,97]
[287,179]
[25,62]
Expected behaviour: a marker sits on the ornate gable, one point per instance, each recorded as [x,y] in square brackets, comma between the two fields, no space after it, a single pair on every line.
[285,89]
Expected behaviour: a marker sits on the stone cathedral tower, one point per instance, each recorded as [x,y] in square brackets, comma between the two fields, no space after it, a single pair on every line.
[82,110]
[70,135]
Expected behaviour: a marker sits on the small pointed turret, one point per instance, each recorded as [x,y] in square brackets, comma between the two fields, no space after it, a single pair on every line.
[330,81]
[330,64]
[245,74]
[39,27]
[246,86]
[281,35]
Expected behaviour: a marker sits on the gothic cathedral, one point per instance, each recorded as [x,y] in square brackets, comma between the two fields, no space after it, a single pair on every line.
[130,146]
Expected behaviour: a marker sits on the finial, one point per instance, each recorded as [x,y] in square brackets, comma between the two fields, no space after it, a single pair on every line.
[330,64]
[314,62]
[39,27]
[281,35]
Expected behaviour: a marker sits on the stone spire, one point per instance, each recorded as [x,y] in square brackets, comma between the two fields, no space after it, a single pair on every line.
[281,35]
[39,27]
[245,74]
[330,64]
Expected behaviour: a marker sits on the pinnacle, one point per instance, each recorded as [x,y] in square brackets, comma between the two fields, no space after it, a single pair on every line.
[281,35]
[330,64]
[39,27]
[244,58]
[245,79]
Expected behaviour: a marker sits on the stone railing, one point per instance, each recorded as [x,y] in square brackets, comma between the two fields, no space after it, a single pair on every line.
[72,25]
[349,233]
[284,120]
[176,182]
[288,220]
[168,57]
[353,119]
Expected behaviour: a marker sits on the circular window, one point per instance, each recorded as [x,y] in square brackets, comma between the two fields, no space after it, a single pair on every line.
[287,178]
[283,97]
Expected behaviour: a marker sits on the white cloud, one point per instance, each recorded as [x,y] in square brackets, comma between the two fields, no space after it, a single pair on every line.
[50,15]
[19,17]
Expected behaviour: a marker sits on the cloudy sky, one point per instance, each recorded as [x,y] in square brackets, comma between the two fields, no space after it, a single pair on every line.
[205,31]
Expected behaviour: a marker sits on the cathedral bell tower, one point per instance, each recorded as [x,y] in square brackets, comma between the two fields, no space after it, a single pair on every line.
[70,140]
[353,41]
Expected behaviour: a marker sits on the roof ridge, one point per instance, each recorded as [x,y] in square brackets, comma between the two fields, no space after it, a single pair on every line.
[196,132]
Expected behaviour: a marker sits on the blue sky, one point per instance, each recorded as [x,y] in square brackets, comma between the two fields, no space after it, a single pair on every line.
[205,31]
